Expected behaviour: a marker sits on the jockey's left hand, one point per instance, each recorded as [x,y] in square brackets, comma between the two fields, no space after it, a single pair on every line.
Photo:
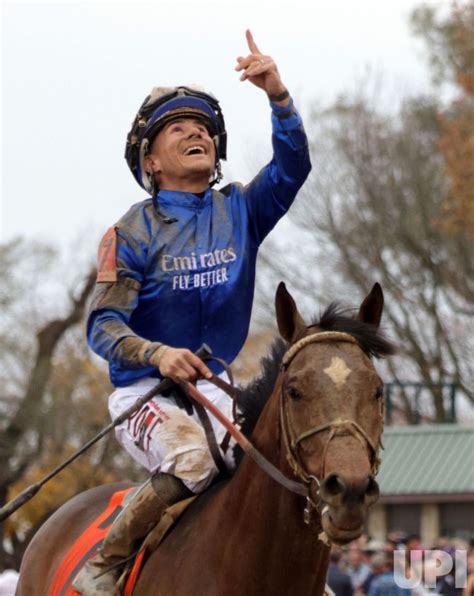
[261,70]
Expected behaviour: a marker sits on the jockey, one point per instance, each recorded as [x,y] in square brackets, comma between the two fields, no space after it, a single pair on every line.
[177,271]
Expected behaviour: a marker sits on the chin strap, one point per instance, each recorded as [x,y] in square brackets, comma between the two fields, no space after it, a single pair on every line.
[217,174]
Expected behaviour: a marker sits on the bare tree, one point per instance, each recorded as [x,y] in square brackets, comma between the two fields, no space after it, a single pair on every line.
[371,213]
[53,395]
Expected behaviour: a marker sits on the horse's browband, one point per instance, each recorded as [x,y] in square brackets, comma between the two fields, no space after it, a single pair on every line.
[313,338]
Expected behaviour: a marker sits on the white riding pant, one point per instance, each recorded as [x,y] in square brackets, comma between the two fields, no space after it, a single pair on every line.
[163,437]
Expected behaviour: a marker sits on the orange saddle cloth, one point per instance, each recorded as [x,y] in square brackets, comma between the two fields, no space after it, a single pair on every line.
[87,545]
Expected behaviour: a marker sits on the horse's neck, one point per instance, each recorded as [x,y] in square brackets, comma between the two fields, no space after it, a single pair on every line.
[267,519]
[244,537]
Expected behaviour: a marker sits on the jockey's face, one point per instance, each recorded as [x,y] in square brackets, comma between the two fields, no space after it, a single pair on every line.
[182,156]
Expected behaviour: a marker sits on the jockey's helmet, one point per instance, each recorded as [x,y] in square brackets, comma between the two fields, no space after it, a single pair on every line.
[161,106]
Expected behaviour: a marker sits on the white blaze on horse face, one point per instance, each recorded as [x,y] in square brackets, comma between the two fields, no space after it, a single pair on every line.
[338,371]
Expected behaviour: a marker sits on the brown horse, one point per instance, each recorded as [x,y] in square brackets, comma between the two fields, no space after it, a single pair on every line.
[321,424]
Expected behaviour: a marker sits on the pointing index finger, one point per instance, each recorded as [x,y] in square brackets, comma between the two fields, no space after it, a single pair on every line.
[251,43]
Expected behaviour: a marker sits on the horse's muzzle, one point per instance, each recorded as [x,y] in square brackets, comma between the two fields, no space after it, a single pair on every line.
[346,504]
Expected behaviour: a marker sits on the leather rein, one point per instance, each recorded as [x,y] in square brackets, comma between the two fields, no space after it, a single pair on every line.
[337,427]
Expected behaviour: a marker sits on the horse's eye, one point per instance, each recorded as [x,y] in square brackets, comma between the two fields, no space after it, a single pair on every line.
[293,393]
[379,393]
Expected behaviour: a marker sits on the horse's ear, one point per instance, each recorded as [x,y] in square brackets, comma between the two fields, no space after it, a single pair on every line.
[290,322]
[371,309]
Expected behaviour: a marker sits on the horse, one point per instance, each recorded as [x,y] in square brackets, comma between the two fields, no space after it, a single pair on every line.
[316,413]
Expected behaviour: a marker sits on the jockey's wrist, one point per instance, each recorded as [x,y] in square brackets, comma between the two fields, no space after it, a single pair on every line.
[148,350]
[281,99]
[283,110]
[157,355]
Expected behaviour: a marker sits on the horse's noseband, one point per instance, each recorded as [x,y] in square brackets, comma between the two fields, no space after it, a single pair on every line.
[336,427]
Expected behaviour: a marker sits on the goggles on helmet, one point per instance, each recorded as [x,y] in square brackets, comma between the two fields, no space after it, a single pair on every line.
[159,108]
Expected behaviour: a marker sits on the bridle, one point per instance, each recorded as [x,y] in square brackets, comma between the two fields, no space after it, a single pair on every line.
[337,427]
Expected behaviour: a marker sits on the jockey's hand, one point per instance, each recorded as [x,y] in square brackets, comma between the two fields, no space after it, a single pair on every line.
[261,70]
[179,364]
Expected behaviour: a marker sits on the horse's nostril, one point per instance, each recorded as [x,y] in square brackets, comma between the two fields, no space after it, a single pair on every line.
[372,489]
[334,485]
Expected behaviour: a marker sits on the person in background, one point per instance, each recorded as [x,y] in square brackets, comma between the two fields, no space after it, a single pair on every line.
[384,584]
[377,567]
[357,570]
[339,582]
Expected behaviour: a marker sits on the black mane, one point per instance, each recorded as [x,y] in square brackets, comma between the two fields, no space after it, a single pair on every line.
[335,318]
[255,395]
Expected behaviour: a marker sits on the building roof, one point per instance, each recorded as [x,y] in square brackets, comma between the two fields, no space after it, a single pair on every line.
[432,460]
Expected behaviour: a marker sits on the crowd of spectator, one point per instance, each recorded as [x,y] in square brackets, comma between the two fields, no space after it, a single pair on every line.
[367,567]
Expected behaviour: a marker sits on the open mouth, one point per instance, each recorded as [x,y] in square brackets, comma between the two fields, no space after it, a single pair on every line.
[195,150]
[339,535]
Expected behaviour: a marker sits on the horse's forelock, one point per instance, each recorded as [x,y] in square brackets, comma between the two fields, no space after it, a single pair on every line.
[370,338]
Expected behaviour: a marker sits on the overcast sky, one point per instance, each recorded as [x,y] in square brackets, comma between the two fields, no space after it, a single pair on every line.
[75,73]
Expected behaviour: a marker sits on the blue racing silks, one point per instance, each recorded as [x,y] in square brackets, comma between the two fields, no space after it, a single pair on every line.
[192,281]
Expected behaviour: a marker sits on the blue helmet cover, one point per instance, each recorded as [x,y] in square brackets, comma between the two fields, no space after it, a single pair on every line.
[180,102]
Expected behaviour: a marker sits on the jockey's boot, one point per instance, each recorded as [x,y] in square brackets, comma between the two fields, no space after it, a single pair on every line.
[140,515]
